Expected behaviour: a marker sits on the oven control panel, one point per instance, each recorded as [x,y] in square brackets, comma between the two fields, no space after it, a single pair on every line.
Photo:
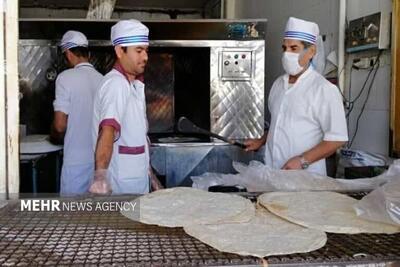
[236,65]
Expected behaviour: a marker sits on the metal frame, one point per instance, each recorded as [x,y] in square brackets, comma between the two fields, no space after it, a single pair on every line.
[158,43]
[9,108]
[395,90]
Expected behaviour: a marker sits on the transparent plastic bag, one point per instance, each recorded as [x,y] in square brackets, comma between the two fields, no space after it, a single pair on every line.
[382,204]
[257,177]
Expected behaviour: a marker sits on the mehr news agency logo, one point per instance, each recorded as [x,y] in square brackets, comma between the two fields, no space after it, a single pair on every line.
[73,206]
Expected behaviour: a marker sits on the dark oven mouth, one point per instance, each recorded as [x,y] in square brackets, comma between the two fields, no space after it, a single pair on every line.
[177,83]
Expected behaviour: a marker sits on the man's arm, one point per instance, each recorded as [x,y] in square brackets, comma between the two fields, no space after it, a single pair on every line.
[320,151]
[103,153]
[59,127]
[104,147]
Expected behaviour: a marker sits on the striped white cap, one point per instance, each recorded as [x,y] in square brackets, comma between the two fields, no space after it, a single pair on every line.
[302,30]
[129,32]
[73,39]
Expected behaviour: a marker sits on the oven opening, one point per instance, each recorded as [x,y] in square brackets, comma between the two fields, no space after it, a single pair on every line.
[177,84]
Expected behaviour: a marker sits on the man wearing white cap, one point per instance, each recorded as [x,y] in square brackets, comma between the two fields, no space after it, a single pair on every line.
[307,115]
[73,109]
[120,123]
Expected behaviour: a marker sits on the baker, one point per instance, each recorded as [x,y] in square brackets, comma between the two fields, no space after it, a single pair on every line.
[120,125]
[307,115]
[73,111]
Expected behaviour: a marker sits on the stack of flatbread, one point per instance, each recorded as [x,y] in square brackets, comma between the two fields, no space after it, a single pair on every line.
[227,222]
[282,223]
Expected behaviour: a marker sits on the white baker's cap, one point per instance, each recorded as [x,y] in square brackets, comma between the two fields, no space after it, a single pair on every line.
[302,30]
[129,32]
[73,39]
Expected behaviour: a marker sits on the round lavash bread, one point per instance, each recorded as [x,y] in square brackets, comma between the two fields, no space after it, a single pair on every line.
[326,211]
[264,235]
[180,206]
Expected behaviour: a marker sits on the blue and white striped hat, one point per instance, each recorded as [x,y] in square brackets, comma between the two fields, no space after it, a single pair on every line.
[73,39]
[129,32]
[302,30]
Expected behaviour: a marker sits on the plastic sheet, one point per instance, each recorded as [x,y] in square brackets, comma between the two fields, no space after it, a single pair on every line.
[257,177]
[382,204]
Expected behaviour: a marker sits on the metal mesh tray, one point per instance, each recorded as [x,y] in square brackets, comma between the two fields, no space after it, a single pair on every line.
[108,238]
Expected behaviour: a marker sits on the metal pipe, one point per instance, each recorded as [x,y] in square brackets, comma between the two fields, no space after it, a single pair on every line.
[230,8]
[341,44]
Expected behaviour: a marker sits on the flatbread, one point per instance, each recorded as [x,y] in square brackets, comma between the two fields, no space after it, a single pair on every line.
[180,206]
[265,235]
[326,211]
[37,144]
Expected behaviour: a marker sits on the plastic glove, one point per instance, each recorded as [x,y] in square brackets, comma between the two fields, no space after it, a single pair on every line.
[101,184]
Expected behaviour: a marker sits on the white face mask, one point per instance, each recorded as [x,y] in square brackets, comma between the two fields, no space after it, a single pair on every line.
[290,63]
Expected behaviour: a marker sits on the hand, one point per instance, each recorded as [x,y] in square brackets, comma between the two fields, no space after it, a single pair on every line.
[253,144]
[293,164]
[155,183]
[101,184]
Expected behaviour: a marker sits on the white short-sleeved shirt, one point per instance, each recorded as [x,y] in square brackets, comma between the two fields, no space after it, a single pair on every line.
[75,91]
[302,116]
[121,104]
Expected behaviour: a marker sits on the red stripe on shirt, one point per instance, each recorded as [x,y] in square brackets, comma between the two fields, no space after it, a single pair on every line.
[110,122]
[131,150]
